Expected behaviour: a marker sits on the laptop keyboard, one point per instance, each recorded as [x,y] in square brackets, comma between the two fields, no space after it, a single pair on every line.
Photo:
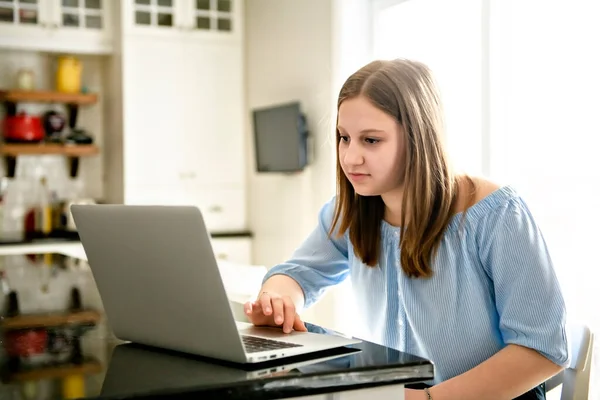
[255,344]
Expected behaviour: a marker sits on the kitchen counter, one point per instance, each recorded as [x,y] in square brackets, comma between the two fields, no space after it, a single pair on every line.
[71,246]
[42,246]
[131,371]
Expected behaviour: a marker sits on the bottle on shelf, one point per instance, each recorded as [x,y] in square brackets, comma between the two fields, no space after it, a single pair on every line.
[39,218]
[45,208]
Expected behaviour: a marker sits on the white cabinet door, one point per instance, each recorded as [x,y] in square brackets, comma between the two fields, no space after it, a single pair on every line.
[216,19]
[154,17]
[214,113]
[206,19]
[156,196]
[23,23]
[73,26]
[82,26]
[233,249]
[223,209]
[153,112]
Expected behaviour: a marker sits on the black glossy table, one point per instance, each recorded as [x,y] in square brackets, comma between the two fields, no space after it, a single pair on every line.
[356,371]
[133,371]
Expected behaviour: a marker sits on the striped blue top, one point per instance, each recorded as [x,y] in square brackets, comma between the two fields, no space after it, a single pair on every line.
[493,284]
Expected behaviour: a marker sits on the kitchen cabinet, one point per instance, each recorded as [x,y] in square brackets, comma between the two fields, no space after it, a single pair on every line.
[174,94]
[72,26]
[214,110]
[205,18]
[223,207]
[177,102]
[88,26]
[187,115]
[153,126]
[235,250]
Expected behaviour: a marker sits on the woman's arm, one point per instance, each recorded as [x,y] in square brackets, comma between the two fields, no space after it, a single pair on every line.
[508,374]
[321,261]
[530,309]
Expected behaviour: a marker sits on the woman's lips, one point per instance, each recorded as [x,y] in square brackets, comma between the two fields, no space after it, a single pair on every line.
[357,177]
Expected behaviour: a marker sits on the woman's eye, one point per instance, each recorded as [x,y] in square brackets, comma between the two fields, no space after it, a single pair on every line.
[372,141]
[344,138]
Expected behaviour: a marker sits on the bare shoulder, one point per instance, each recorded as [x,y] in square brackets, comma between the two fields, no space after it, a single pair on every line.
[483,187]
[474,189]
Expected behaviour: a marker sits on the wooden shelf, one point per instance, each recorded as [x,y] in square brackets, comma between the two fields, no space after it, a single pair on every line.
[47,320]
[55,371]
[10,152]
[39,96]
[10,149]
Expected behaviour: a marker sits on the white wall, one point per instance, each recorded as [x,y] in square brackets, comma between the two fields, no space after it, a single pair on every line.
[300,50]
[288,57]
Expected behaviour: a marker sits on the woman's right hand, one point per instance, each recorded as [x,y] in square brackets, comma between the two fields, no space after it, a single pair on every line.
[272,309]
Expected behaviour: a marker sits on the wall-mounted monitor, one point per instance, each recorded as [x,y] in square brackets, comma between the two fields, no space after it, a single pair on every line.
[280,138]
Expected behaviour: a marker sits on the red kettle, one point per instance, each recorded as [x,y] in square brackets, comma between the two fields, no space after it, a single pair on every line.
[23,128]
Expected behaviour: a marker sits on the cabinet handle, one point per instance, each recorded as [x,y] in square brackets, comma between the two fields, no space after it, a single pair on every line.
[187,175]
[215,208]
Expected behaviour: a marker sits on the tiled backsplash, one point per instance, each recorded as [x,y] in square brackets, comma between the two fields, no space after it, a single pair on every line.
[47,288]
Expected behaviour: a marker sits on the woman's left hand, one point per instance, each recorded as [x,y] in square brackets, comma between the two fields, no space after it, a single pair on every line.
[412,394]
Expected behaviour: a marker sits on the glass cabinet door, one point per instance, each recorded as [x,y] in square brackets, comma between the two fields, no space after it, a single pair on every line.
[154,13]
[85,14]
[21,12]
[213,15]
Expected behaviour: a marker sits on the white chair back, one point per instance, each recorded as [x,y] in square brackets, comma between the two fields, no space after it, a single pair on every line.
[575,379]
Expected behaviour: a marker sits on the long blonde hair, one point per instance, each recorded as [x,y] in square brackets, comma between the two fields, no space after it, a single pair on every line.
[407,91]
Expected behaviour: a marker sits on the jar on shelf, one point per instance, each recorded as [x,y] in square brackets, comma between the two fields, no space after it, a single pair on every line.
[68,75]
[25,79]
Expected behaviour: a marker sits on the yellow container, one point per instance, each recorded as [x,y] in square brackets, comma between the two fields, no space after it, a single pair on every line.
[68,75]
[73,386]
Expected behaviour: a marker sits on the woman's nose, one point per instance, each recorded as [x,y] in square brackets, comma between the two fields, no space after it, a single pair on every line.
[353,155]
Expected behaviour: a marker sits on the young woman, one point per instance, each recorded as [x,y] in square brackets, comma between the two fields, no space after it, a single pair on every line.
[446,266]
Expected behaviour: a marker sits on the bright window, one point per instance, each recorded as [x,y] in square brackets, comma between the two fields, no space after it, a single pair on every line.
[520,83]
[447,36]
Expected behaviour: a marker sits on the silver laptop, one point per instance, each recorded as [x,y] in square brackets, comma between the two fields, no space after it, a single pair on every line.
[160,284]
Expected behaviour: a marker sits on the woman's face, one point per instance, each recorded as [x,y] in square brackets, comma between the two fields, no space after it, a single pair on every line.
[371,147]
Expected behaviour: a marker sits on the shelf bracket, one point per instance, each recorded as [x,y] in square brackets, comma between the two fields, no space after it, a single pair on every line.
[73,112]
[11,165]
[11,108]
[73,166]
